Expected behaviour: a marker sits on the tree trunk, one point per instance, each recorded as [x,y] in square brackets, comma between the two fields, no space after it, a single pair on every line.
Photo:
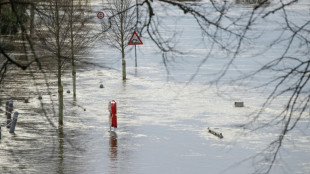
[123,64]
[74,77]
[72,52]
[60,94]
[60,88]
[123,46]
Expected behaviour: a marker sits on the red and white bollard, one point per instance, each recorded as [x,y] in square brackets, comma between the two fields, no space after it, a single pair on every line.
[113,114]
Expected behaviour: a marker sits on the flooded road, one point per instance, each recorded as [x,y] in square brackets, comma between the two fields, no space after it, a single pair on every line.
[159,131]
[162,121]
[163,128]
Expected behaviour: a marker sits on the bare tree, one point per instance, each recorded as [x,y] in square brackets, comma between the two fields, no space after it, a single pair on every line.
[80,34]
[122,18]
[53,33]
[63,35]
[291,66]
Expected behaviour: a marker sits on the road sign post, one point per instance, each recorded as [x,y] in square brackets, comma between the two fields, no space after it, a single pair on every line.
[100,15]
[135,40]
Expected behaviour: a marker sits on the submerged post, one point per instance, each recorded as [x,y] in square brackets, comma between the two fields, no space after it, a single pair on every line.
[239,104]
[6,107]
[0,131]
[13,124]
[113,114]
[9,108]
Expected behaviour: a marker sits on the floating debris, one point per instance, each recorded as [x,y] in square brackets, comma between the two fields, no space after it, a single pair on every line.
[220,135]
[239,104]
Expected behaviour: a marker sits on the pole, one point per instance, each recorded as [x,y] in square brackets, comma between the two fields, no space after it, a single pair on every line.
[12,129]
[9,111]
[7,107]
[136,63]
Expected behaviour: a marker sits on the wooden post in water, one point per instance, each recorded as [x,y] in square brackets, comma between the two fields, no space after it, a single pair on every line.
[0,131]
[9,109]
[12,129]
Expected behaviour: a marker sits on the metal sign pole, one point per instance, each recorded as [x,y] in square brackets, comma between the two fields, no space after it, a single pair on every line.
[136,64]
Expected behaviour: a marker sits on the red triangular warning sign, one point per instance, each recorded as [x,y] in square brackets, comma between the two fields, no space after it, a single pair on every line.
[135,40]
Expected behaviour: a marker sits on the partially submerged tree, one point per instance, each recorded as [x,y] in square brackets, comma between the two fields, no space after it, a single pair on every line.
[52,30]
[80,34]
[58,25]
[62,32]
[119,28]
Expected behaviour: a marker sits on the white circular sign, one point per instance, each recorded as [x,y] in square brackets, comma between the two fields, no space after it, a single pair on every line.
[100,15]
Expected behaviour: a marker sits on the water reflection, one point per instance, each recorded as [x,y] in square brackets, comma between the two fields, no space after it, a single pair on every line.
[61,149]
[113,150]
[136,72]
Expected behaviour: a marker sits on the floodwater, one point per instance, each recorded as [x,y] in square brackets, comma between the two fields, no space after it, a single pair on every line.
[162,121]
